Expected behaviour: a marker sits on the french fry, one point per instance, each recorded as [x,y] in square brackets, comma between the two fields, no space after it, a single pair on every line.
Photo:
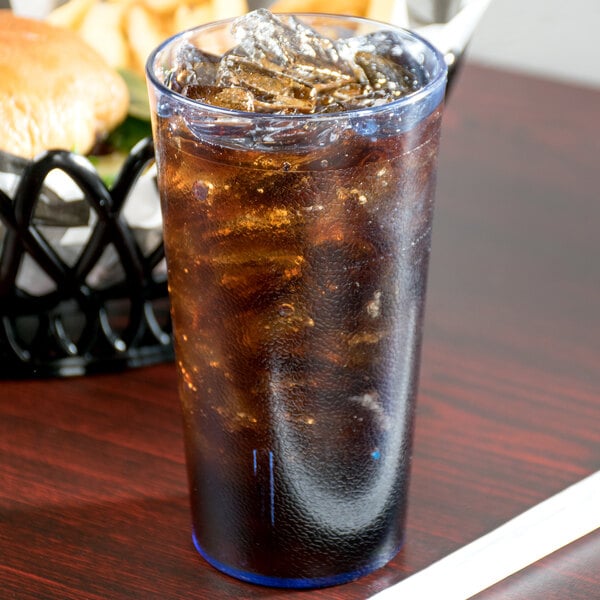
[71,14]
[190,16]
[101,28]
[144,32]
[388,11]
[355,8]
[230,8]
[162,7]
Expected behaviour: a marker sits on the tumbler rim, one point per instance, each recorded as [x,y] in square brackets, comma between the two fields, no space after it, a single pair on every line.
[438,79]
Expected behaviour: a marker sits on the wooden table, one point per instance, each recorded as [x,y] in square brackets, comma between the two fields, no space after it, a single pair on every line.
[93,497]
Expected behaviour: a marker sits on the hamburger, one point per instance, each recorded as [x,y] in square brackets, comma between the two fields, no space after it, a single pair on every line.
[56,92]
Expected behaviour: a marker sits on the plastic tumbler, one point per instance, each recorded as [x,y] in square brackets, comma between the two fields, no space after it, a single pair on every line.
[297,248]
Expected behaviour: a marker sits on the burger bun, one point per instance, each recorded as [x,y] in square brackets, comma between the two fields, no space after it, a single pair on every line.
[56,92]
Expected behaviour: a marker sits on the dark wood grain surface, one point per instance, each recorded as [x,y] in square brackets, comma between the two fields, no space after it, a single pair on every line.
[93,497]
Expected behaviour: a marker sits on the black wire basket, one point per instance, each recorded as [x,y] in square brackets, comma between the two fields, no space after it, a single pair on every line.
[76,326]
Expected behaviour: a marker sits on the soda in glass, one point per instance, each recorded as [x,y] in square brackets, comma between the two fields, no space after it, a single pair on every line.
[296,162]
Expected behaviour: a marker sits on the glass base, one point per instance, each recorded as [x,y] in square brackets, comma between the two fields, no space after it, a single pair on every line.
[292,582]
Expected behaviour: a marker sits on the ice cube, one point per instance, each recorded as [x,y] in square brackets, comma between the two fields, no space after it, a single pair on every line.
[282,40]
[262,79]
[194,67]
[233,98]
[271,87]
[386,75]
[383,59]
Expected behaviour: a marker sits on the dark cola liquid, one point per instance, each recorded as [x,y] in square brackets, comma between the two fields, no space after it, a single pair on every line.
[297,284]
